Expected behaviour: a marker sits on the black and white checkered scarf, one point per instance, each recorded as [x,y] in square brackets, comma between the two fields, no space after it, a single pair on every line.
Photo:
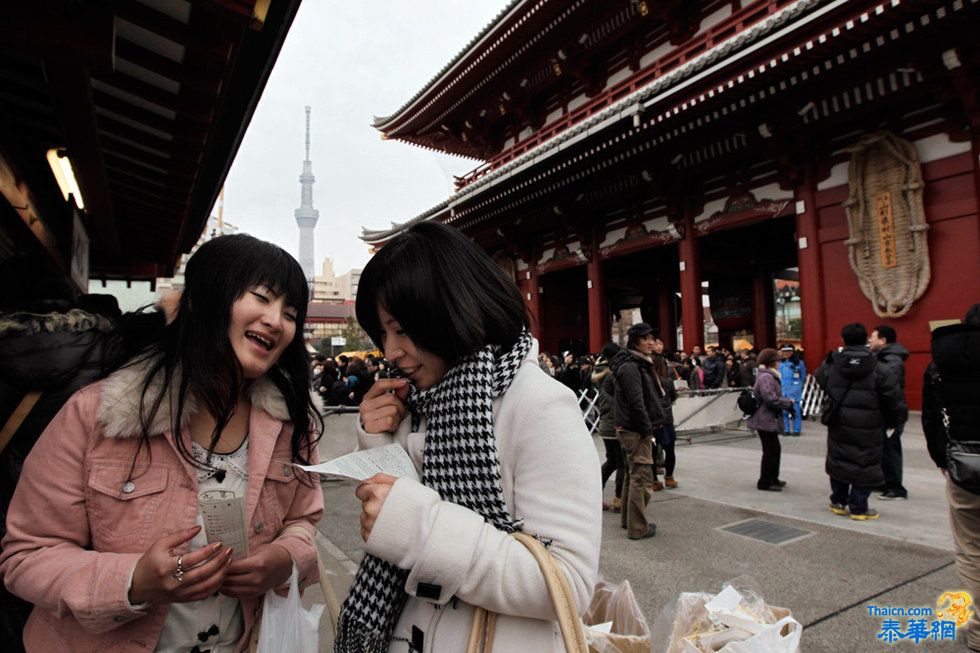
[460,462]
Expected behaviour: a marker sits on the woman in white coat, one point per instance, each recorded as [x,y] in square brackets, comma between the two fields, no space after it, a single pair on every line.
[500,446]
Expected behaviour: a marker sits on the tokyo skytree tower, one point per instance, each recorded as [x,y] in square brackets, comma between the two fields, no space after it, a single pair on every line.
[306,215]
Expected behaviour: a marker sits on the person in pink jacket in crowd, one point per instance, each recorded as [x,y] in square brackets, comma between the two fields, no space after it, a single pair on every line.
[201,415]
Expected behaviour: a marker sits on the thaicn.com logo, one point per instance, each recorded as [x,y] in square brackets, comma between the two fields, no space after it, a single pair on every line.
[917,624]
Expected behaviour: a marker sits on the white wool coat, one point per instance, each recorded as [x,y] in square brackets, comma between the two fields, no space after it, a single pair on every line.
[550,478]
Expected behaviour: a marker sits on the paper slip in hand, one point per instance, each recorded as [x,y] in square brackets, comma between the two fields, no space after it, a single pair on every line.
[224,520]
[361,465]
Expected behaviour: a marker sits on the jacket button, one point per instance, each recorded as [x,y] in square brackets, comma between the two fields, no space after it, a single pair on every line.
[128,487]
[259,527]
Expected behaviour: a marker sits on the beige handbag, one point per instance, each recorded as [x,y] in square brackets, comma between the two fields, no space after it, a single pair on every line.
[572,632]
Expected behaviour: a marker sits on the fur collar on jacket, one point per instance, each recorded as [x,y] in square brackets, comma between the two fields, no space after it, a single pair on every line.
[119,408]
[29,324]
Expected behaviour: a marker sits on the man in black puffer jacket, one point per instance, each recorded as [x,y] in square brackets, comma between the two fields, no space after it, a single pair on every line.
[952,381]
[864,400]
[639,413]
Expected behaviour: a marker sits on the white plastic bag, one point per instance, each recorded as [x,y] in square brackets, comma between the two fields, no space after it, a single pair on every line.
[287,627]
[615,621]
[736,620]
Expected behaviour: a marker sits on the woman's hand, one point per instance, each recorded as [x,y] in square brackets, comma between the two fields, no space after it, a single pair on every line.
[204,571]
[372,494]
[382,411]
[268,566]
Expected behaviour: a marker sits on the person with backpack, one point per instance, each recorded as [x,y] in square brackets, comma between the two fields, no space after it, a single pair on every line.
[951,423]
[767,419]
[602,381]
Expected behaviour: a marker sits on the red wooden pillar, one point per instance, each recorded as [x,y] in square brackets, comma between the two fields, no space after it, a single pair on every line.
[975,152]
[532,298]
[665,314]
[598,307]
[811,287]
[692,309]
[762,314]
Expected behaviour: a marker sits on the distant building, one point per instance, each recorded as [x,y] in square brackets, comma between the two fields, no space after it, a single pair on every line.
[347,284]
[327,319]
[328,287]
[325,284]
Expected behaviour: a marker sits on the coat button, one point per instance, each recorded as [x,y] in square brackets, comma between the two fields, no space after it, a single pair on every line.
[259,527]
[128,487]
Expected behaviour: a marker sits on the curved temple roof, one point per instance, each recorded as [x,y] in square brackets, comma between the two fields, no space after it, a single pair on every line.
[661,90]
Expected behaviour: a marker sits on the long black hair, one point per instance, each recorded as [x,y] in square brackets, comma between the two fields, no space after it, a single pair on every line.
[446,293]
[193,352]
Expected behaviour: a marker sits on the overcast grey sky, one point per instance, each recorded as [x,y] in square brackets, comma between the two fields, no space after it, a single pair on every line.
[350,61]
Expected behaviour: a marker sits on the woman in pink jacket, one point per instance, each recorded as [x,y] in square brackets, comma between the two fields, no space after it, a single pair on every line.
[115,530]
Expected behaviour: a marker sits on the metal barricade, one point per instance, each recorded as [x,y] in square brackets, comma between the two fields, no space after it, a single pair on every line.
[812,400]
[702,410]
[588,402]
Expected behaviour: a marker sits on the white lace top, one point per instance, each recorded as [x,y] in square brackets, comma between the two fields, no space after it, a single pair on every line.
[214,624]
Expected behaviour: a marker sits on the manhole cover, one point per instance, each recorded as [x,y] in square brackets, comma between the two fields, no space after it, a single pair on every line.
[765,531]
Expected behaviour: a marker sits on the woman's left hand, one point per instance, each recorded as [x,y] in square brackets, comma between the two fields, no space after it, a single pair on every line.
[268,566]
[372,494]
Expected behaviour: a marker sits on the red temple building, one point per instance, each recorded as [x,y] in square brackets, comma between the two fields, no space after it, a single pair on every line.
[643,153]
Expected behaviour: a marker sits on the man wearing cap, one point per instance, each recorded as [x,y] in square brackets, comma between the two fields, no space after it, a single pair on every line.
[638,414]
[792,373]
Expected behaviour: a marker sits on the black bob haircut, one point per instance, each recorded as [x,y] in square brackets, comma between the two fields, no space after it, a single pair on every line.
[854,334]
[447,294]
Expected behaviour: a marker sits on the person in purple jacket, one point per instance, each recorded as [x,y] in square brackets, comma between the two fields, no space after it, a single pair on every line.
[767,419]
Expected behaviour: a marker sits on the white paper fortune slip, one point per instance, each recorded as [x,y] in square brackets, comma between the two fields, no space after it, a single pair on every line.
[224,520]
[390,459]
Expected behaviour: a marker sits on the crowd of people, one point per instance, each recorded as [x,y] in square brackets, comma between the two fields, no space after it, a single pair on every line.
[150,422]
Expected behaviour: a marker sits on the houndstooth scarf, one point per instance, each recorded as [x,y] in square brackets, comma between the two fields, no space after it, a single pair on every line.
[460,462]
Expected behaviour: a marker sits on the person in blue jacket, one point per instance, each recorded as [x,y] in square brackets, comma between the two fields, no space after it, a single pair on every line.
[792,372]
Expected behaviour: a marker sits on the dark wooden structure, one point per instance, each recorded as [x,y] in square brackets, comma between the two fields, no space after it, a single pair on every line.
[150,102]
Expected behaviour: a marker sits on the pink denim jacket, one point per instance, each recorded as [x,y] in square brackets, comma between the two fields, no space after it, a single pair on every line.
[74,534]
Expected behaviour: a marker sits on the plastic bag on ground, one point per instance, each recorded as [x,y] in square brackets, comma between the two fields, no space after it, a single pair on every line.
[629,632]
[288,627]
[736,620]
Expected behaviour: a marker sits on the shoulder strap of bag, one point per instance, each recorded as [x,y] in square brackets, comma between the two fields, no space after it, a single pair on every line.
[17,417]
[937,380]
[569,623]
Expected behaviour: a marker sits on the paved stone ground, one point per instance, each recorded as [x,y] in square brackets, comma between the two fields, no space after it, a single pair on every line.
[827,578]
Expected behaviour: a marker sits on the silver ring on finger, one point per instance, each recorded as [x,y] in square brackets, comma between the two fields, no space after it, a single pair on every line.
[178,574]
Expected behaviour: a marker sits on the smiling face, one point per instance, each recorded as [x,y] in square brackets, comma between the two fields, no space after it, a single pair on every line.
[424,369]
[262,326]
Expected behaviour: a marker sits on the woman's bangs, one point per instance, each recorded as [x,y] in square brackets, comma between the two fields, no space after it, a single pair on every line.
[280,272]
